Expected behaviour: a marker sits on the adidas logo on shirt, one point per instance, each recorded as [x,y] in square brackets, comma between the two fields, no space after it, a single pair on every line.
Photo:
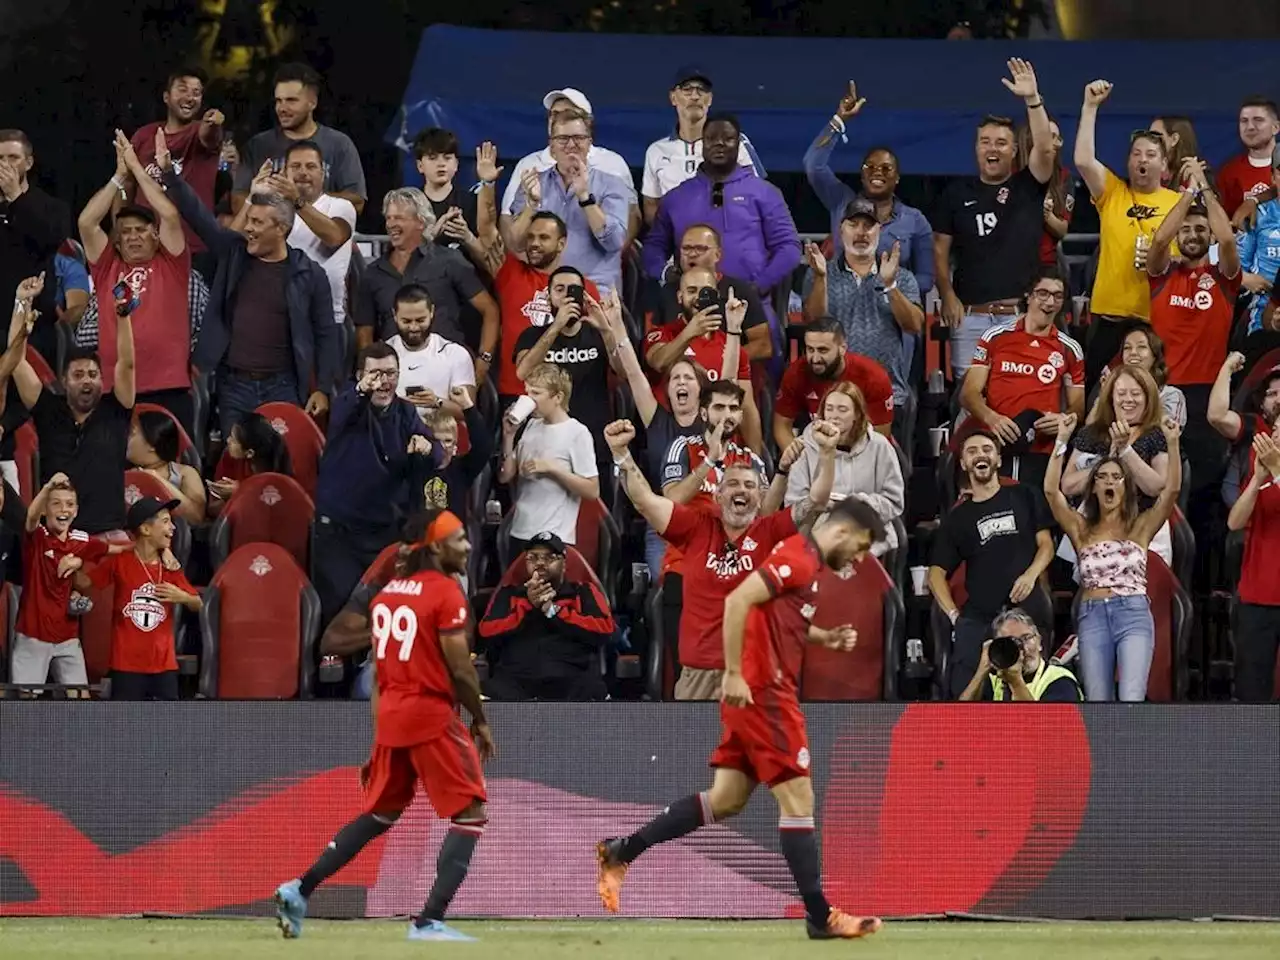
[573,355]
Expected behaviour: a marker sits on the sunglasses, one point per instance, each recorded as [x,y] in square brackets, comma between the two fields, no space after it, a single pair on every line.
[1155,135]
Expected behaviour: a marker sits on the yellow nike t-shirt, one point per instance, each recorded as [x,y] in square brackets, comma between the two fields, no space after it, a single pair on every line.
[1120,289]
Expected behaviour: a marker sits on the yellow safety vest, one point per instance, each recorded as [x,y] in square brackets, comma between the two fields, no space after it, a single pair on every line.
[1047,674]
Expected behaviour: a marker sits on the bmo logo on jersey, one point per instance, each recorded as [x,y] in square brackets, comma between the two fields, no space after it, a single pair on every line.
[1203,300]
[573,355]
[731,564]
[1045,373]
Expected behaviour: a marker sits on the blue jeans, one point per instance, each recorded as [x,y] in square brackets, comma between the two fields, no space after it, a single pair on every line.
[654,548]
[1116,631]
[238,395]
[964,340]
[362,686]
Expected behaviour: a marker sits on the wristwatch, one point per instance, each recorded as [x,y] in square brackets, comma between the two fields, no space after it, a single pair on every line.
[486,356]
[299,204]
[732,333]
[552,611]
[590,201]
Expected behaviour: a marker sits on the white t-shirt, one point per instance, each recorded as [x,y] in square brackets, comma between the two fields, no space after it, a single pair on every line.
[438,365]
[334,262]
[542,504]
[671,161]
[598,158]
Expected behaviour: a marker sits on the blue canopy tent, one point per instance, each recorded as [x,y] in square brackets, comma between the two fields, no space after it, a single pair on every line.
[924,97]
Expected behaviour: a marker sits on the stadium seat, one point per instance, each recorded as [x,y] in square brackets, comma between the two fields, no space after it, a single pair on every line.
[199,408]
[1252,377]
[45,372]
[259,627]
[660,664]
[139,484]
[187,452]
[95,626]
[303,438]
[8,614]
[895,561]
[1172,614]
[26,455]
[266,508]
[1184,547]
[866,599]
[599,543]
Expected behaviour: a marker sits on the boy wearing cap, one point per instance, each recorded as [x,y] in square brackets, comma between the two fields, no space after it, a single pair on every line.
[147,579]
[545,634]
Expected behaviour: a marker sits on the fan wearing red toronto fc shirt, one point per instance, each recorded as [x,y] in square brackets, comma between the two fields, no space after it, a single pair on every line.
[423,671]
[763,737]
[148,254]
[721,547]
[148,582]
[1192,300]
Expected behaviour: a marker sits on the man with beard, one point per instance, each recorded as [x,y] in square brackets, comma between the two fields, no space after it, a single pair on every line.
[992,224]
[194,138]
[900,224]
[377,453]
[148,256]
[827,361]
[1128,216]
[524,292]
[297,91]
[1262,416]
[700,248]
[1245,180]
[593,204]
[722,546]
[446,274]
[430,366]
[1002,534]
[759,236]
[324,224]
[83,434]
[672,160]
[876,303]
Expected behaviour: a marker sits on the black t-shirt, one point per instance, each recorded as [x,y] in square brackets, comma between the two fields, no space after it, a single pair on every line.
[995,235]
[662,431]
[996,540]
[91,454]
[260,335]
[669,307]
[464,200]
[586,359]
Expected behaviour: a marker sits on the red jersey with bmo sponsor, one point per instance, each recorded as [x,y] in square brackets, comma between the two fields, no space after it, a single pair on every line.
[801,391]
[161,324]
[416,699]
[1240,178]
[1028,370]
[713,566]
[707,351]
[524,302]
[1192,309]
[194,162]
[42,612]
[142,634]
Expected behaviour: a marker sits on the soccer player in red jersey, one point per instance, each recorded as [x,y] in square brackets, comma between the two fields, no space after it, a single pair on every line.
[423,672]
[766,624]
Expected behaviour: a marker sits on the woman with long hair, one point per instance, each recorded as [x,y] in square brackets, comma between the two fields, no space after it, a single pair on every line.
[867,466]
[153,447]
[1143,348]
[1111,536]
[1180,142]
[254,447]
[1059,198]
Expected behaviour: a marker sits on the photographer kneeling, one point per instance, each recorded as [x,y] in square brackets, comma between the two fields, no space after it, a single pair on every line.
[1013,667]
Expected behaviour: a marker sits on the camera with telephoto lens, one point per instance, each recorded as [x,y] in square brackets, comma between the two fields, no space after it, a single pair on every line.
[577,293]
[1004,652]
[707,297]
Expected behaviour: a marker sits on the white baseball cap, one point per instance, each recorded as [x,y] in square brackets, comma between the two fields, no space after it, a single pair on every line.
[576,97]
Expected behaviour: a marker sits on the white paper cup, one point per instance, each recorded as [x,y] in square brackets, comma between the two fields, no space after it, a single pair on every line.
[938,437]
[920,580]
[519,411]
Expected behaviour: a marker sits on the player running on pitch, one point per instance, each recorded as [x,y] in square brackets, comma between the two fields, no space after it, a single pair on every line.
[423,670]
[764,740]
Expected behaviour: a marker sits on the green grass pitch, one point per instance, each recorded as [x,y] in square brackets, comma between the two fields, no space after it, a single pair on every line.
[69,939]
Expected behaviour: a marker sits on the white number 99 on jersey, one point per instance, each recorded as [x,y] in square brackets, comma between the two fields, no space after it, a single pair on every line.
[400,625]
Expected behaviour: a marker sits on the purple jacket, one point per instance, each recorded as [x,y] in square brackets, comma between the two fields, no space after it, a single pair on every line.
[756,230]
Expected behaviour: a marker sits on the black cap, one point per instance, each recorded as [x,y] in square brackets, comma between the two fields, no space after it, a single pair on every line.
[690,72]
[145,508]
[137,212]
[548,541]
[860,207]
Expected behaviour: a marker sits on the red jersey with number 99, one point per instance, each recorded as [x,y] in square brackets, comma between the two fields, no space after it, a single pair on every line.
[777,631]
[415,688]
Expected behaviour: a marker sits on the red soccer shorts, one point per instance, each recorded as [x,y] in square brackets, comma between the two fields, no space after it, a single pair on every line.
[766,741]
[448,766]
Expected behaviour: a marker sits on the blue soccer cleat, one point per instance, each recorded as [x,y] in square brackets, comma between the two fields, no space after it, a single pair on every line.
[438,930]
[291,909]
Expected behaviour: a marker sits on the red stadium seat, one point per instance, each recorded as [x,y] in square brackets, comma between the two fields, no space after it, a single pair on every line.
[867,600]
[41,366]
[95,626]
[187,452]
[26,454]
[139,484]
[1171,612]
[266,508]
[259,627]
[599,542]
[303,438]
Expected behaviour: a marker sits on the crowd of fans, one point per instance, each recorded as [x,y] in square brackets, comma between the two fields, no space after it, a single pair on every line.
[675,365]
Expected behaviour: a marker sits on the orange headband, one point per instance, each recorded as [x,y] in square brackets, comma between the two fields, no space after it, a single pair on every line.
[442,526]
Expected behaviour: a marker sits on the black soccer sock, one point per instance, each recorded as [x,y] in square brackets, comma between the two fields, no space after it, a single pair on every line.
[451,867]
[342,849]
[681,818]
[800,847]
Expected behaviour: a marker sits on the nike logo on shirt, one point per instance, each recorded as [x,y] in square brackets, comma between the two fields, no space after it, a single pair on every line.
[970,203]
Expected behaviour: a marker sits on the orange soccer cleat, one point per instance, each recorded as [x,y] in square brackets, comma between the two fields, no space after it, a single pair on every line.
[843,926]
[612,872]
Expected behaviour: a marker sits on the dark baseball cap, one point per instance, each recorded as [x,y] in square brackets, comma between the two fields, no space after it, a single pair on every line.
[691,72]
[145,509]
[547,541]
[860,207]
